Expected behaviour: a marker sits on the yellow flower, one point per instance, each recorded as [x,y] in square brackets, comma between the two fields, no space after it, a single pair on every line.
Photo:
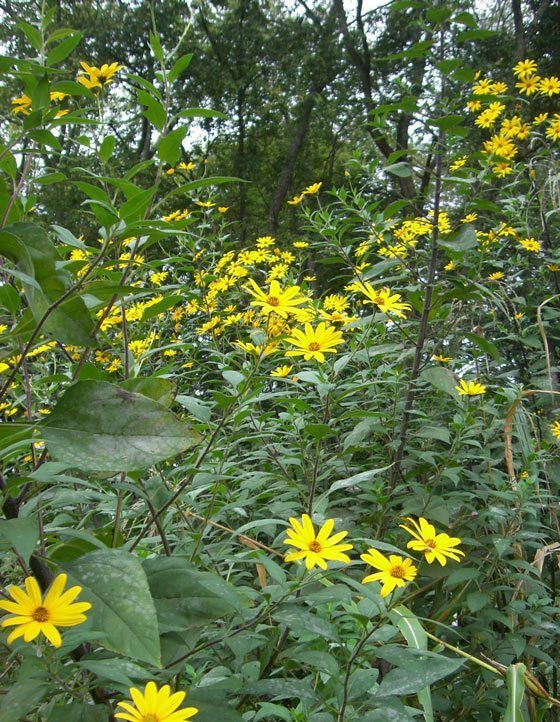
[550,86]
[312,190]
[554,267]
[250,348]
[540,118]
[309,279]
[442,359]
[529,244]
[469,218]
[35,614]
[314,342]
[155,705]
[394,572]
[187,166]
[21,104]
[496,276]
[554,430]
[223,209]
[472,388]
[265,242]
[281,302]
[296,200]
[170,171]
[502,169]
[281,372]
[205,204]
[518,316]
[529,85]
[482,87]
[300,244]
[98,77]
[498,87]
[553,131]
[318,548]
[383,299]
[451,266]
[474,105]
[434,546]
[459,163]
[525,68]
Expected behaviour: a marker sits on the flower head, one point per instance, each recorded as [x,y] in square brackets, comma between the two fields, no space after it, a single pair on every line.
[278,301]
[35,614]
[155,705]
[434,546]
[280,372]
[96,78]
[314,342]
[555,429]
[529,244]
[550,86]
[470,388]
[383,298]
[313,189]
[394,571]
[316,549]
[525,68]
[442,359]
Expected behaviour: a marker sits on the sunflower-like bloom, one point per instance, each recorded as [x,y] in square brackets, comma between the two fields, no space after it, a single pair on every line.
[96,78]
[470,388]
[155,705]
[432,545]
[318,548]
[314,342]
[525,68]
[278,301]
[394,571]
[281,372]
[383,298]
[35,614]
[555,429]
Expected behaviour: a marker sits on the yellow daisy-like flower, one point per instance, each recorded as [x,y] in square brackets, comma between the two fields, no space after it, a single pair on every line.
[459,163]
[385,301]
[470,388]
[555,429]
[281,372]
[524,68]
[155,705]
[394,571]
[529,85]
[316,549]
[451,266]
[434,546]
[313,189]
[529,244]
[281,302]
[496,276]
[314,342]
[474,105]
[540,118]
[502,169]
[550,86]
[95,77]
[442,359]
[35,614]
[296,200]
[300,244]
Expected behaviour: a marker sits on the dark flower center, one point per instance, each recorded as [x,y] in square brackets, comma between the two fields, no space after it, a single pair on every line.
[41,614]
[430,543]
[314,346]
[398,572]
[314,546]
[273,300]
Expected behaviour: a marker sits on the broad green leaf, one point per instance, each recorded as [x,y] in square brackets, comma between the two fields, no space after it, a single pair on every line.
[185,597]
[155,387]
[179,66]
[442,378]
[461,240]
[21,533]
[79,712]
[283,689]
[516,691]
[63,49]
[212,706]
[106,148]
[416,676]
[115,584]
[170,146]
[302,622]
[416,637]
[403,170]
[97,426]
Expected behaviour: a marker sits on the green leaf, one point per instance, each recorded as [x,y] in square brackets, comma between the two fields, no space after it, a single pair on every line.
[302,622]
[201,113]
[158,389]
[416,637]
[179,66]
[21,533]
[185,597]
[442,378]
[106,149]
[403,170]
[485,345]
[155,44]
[417,675]
[154,112]
[32,34]
[170,146]
[516,691]
[115,584]
[212,706]
[283,689]
[460,240]
[98,426]
[78,712]
[22,697]
[63,50]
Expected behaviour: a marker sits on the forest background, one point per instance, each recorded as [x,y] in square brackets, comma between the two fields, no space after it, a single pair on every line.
[279,274]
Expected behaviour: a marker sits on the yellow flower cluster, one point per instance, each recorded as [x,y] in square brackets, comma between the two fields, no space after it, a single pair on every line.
[318,548]
[23,104]
[502,147]
[311,190]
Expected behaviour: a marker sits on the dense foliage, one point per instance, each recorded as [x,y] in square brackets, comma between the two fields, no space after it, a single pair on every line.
[278,366]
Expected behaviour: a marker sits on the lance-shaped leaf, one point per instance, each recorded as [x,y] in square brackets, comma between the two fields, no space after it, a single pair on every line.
[98,426]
